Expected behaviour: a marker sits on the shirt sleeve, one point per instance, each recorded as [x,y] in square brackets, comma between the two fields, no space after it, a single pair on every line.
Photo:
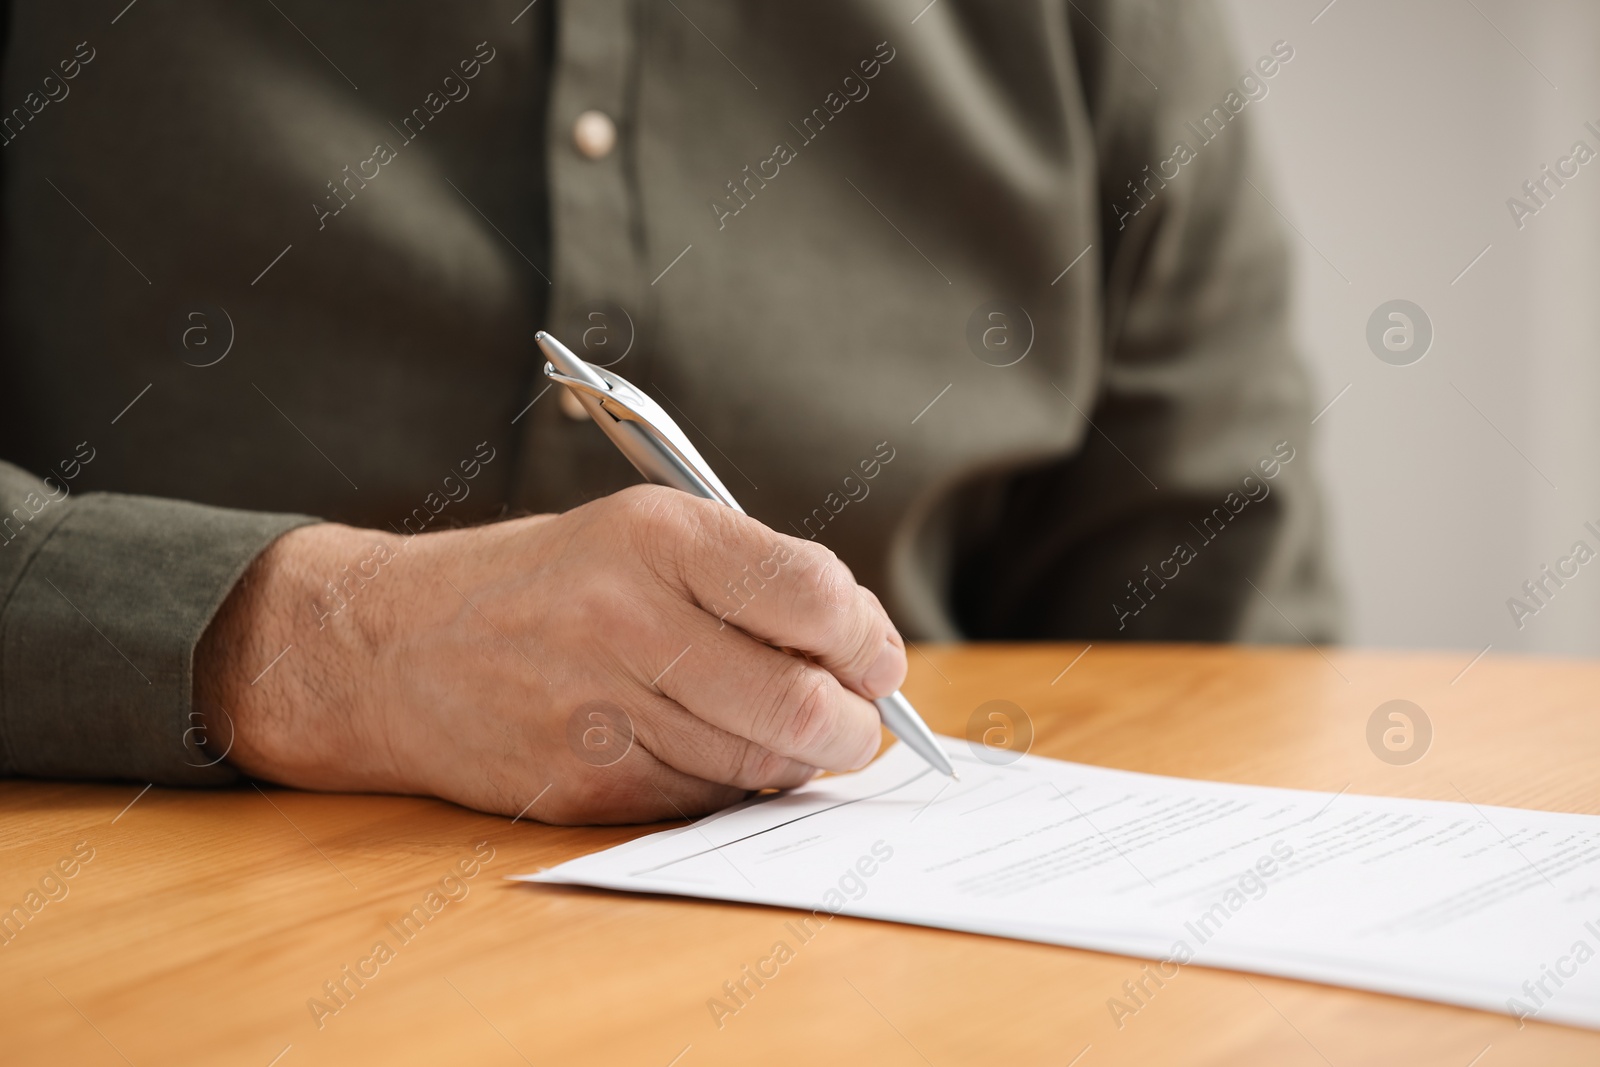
[103,598]
[1192,512]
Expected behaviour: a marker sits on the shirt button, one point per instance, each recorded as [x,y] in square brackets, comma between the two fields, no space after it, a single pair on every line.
[570,405]
[594,134]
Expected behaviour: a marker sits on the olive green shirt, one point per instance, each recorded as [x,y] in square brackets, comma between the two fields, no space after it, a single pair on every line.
[932,285]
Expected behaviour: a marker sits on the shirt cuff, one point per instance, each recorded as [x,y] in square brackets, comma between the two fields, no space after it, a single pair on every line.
[99,619]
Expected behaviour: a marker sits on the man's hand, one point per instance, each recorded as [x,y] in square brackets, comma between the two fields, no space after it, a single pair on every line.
[617,662]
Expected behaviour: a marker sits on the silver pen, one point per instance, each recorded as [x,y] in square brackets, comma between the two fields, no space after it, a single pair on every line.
[658,448]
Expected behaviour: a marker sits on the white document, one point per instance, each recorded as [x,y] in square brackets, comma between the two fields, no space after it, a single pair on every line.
[1494,908]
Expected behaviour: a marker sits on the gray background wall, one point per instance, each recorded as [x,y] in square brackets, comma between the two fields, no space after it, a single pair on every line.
[1392,141]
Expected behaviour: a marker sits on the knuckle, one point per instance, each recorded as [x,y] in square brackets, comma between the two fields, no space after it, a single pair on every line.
[654,512]
[806,715]
[737,539]
[759,768]
[625,615]
[593,607]
[673,530]
[825,598]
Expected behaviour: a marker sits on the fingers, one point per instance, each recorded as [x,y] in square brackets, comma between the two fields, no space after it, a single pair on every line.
[690,743]
[676,765]
[637,788]
[779,589]
[787,709]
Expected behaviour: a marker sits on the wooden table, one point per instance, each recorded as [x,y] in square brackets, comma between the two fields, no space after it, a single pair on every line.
[205,921]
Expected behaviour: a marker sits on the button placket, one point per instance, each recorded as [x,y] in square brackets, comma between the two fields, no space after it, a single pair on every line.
[597,266]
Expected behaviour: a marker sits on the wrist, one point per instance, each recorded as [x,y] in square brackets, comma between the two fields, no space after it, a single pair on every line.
[285,655]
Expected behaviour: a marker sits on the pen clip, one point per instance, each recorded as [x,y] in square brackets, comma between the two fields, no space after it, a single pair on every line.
[625,402]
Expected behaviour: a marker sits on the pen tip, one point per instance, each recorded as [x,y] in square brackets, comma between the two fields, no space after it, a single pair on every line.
[954,775]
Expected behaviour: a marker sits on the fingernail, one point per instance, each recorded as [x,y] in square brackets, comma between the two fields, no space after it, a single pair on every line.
[886,672]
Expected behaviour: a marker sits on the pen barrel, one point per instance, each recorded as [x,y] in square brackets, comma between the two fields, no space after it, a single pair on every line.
[904,722]
[658,465]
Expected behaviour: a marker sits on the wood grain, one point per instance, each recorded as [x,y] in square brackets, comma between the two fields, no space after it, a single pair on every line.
[206,921]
